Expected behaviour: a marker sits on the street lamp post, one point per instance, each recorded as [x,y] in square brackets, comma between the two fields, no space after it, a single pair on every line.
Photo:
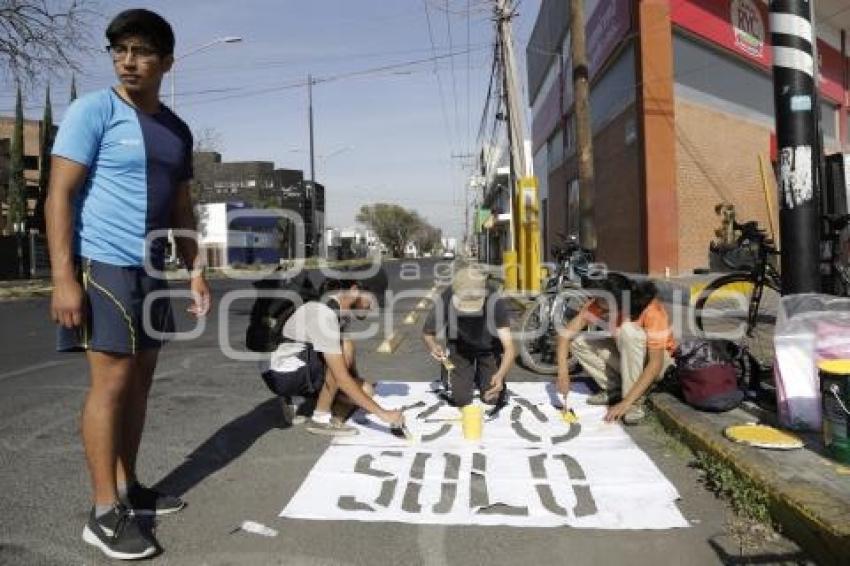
[228,39]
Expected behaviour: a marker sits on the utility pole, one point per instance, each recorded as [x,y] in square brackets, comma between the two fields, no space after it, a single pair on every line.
[525,227]
[584,132]
[466,165]
[794,89]
[310,120]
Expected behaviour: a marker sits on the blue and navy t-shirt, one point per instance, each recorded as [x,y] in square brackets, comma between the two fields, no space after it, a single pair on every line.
[135,162]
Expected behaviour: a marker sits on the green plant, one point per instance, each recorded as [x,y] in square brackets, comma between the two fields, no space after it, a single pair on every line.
[747,499]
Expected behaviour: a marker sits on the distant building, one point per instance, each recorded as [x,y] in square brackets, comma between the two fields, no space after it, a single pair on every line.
[227,238]
[32,157]
[254,182]
[307,200]
[350,243]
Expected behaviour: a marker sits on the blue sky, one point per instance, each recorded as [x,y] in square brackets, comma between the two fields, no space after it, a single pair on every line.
[388,136]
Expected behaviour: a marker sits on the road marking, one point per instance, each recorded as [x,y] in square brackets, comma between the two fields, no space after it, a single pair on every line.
[411,317]
[391,343]
[30,369]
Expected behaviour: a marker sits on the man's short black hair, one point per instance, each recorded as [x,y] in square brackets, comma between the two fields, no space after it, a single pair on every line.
[143,23]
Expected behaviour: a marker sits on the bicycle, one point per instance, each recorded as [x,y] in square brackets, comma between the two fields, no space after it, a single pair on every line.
[555,306]
[742,306]
[835,266]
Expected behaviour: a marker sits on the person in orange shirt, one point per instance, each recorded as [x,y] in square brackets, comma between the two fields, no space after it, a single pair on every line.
[634,350]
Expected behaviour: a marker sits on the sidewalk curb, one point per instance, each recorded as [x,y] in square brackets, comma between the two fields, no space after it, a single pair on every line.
[808,514]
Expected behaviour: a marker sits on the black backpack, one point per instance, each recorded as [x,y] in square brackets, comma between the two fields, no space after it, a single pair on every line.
[713,375]
[269,314]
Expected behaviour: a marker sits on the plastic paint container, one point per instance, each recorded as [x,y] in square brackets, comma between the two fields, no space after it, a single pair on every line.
[473,422]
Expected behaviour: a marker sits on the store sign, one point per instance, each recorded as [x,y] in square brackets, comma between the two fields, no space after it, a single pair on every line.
[748,27]
[737,25]
[607,25]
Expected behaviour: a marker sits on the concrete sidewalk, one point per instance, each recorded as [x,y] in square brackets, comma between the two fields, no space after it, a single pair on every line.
[809,494]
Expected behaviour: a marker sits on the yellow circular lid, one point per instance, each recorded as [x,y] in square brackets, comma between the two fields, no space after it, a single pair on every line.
[762,436]
[840,367]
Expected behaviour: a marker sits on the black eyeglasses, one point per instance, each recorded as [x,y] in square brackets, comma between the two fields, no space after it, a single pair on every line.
[140,52]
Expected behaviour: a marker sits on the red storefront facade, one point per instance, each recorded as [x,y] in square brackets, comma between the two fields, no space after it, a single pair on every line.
[683,113]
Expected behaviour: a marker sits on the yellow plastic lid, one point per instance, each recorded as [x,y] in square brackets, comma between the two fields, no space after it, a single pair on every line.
[763,436]
[839,367]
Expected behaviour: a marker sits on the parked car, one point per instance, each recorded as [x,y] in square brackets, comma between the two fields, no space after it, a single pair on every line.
[448,254]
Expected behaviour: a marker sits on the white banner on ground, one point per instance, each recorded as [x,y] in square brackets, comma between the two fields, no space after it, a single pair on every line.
[529,469]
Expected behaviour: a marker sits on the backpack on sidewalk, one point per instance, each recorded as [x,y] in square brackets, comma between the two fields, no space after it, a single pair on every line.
[711,373]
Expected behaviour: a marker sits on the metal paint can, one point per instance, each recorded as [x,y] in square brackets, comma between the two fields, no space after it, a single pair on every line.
[835,395]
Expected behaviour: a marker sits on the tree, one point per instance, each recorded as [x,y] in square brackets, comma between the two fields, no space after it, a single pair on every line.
[394,225]
[428,238]
[41,37]
[17,184]
[46,145]
[208,139]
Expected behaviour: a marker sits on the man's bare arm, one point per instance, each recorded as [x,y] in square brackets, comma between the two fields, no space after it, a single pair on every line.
[183,218]
[336,363]
[66,178]
[565,337]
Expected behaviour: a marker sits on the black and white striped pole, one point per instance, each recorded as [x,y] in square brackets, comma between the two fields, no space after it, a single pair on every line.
[794,67]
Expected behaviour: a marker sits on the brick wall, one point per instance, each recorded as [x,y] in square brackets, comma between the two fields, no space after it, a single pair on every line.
[717,156]
[618,203]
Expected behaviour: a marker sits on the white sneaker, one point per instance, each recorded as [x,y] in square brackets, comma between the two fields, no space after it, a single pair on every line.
[332,428]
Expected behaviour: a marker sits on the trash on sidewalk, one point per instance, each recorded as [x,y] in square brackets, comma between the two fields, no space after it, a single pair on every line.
[810,327]
[255,528]
[762,436]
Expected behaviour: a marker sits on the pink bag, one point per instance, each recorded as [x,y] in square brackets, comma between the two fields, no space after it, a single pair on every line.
[833,341]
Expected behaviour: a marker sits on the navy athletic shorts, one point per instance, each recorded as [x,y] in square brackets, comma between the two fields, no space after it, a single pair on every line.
[306,381]
[114,311]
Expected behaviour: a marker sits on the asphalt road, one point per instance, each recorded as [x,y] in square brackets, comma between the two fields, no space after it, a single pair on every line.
[215,436]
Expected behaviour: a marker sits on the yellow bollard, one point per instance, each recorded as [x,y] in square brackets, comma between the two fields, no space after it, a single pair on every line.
[529,235]
[510,268]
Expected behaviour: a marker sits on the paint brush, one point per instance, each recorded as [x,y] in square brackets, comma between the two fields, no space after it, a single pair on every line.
[401,431]
[569,416]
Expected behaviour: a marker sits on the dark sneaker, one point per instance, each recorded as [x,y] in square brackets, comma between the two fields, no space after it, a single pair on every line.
[332,428]
[604,397]
[146,502]
[118,535]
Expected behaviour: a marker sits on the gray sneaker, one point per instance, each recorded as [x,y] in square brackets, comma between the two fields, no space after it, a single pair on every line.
[604,397]
[634,415]
[332,428]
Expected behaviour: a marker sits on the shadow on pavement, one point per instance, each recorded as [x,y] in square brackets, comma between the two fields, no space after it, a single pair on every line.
[227,444]
[765,558]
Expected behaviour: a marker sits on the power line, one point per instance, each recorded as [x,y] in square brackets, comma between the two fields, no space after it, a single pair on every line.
[454,76]
[436,72]
[380,70]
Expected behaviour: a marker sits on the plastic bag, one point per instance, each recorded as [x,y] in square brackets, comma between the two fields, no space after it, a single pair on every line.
[809,327]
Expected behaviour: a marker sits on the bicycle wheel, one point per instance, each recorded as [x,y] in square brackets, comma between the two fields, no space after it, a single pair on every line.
[538,338]
[722,311]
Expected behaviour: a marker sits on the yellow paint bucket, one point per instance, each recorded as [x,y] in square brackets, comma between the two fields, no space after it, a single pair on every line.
[472,422]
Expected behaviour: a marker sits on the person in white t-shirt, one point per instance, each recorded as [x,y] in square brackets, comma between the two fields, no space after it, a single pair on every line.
[315,360]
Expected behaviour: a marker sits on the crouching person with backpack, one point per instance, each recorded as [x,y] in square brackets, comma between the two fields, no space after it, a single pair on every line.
[633,354]
[315,361]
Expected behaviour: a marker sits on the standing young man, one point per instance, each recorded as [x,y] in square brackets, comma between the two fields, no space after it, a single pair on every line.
[121,169]
[477,331]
